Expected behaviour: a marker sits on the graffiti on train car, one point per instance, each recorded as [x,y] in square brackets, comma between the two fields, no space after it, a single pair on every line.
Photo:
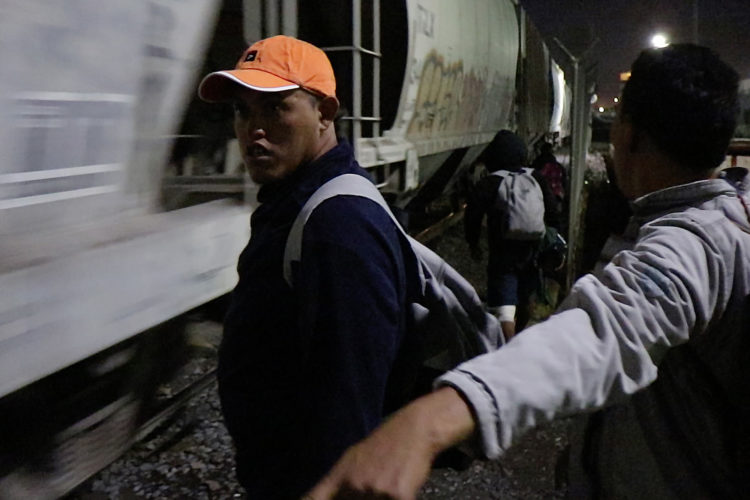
[425,21]
[451,101]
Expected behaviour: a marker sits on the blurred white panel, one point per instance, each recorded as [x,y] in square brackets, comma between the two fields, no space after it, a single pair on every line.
[65,299]
[91,93]
[84,83]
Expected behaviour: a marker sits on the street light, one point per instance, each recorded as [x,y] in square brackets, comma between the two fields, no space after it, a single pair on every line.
[659,40]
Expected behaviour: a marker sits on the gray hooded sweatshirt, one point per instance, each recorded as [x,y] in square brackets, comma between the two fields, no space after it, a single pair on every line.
[654,345]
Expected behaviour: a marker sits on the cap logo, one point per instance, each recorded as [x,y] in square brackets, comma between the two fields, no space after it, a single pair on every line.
[251,56]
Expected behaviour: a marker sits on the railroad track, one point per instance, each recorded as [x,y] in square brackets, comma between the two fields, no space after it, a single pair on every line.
[438,228]
[166,412]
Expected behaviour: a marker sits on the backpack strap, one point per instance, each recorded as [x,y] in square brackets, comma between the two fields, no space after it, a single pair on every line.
[502,173]
[345,184]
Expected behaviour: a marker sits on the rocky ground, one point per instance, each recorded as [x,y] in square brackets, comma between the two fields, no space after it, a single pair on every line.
[192,457]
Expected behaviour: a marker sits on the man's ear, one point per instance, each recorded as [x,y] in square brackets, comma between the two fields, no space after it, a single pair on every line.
[328,107]
[629,135]
[624,138]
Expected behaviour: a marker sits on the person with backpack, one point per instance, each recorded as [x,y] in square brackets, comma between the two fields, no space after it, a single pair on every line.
[547,167]
[339,317]
[553,250]
[512,198]
[651,350]
[305,370]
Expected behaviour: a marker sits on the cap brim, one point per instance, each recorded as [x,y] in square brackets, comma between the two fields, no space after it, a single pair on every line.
[221,86]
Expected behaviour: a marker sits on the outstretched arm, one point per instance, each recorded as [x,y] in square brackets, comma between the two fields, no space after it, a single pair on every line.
[603,346]
[395,460]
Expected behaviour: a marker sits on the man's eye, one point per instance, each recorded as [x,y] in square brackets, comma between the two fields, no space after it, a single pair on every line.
[239,108]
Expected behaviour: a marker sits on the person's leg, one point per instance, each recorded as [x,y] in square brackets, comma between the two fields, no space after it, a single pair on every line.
[506,315]
[528,283]
[502,297]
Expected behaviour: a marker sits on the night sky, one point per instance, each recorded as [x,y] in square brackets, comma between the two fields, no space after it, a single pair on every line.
[624,27]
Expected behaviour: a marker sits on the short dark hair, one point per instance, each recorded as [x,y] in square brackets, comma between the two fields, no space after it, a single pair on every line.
[506,150]
[685,97]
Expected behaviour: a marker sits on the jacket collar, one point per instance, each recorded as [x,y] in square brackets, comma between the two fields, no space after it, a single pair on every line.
[692,193]
[308,177]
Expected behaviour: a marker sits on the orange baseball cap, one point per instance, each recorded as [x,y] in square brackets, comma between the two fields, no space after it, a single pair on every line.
[272,65]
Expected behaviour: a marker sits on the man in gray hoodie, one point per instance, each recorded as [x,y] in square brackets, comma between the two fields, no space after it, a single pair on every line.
[654,345]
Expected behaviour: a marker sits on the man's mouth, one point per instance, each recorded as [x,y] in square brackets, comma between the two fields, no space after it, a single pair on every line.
[257,151]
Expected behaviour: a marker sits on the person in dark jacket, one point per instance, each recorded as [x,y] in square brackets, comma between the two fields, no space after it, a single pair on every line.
[547,166]
[512,273]
[303,371]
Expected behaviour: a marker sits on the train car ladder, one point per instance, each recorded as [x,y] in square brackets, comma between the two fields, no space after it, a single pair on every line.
[357,116]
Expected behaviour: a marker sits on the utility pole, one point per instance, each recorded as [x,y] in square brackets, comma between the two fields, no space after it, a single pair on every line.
[695,21]
[580,117]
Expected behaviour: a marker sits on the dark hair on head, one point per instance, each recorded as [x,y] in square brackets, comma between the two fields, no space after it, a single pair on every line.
[506,150]
[314,97]
[546,148]
[685,98]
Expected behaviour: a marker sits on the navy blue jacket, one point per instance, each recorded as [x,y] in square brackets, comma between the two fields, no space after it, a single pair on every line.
[303,373]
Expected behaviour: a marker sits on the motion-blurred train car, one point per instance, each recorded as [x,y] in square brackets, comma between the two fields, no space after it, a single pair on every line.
[122,205]
[93,272]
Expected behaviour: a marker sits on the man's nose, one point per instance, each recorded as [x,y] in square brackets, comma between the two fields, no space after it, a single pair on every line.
[253,128]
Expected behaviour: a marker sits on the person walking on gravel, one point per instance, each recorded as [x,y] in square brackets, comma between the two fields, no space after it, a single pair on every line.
[512,272]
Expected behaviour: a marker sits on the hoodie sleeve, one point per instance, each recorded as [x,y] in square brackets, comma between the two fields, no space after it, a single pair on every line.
[551,211]
[608,338]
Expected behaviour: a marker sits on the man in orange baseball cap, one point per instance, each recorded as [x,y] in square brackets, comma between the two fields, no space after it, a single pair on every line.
[303,369]
[278,71]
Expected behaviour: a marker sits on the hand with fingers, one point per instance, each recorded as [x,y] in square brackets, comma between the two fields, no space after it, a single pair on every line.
[394,461]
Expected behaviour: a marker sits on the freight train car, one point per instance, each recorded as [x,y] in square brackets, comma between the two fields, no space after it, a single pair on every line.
[93,272]
[424,86]
[121,204]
